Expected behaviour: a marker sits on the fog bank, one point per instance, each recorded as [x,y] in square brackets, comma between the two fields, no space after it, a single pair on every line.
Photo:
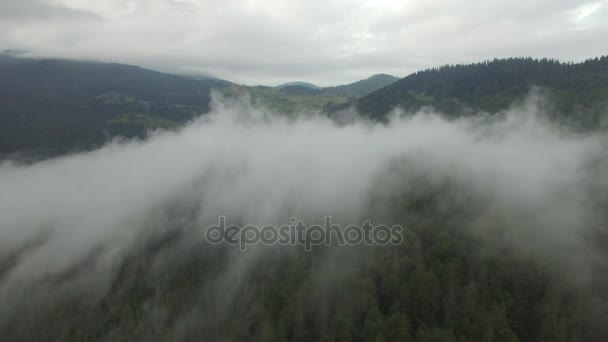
[546,185]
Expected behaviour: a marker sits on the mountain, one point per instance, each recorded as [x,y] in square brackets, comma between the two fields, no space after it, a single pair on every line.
[56,105]
[356,89]
[299,90]
[297,83]
[362,87]
[494,85]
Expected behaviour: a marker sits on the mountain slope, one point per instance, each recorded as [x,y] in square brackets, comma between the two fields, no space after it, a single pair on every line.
[493,85]
[60,105]
[362,87]
[297,83]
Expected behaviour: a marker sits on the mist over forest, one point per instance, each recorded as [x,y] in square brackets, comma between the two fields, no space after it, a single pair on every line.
[504,219]
[303,171]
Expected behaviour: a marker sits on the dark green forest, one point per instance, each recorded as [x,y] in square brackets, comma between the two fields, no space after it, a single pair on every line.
[55,106]
[575,89]
[446,282]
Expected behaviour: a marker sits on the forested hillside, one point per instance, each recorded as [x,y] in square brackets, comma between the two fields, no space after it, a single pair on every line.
[300,96]
[53,106]
[49,106]
[58,105]
[442,284]
[494,85]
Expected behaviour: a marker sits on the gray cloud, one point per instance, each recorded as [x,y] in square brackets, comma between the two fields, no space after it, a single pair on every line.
[24,11]
[273,41]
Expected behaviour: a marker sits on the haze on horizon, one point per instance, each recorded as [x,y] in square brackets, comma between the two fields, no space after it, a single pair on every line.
[324,42]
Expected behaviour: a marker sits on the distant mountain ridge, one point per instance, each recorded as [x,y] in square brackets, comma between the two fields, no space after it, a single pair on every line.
[298,83]
[363,87]
[57,105]
[355,89]
[493,85]
[60,105]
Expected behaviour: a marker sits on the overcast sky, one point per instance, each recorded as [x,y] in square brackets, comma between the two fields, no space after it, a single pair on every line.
[321,41]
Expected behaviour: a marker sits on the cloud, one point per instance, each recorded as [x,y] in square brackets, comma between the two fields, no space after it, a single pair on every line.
[67,223]
[24,11]
[273,41]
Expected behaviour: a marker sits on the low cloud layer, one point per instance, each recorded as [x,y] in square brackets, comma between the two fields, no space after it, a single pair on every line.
[255,167]
[326,42]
